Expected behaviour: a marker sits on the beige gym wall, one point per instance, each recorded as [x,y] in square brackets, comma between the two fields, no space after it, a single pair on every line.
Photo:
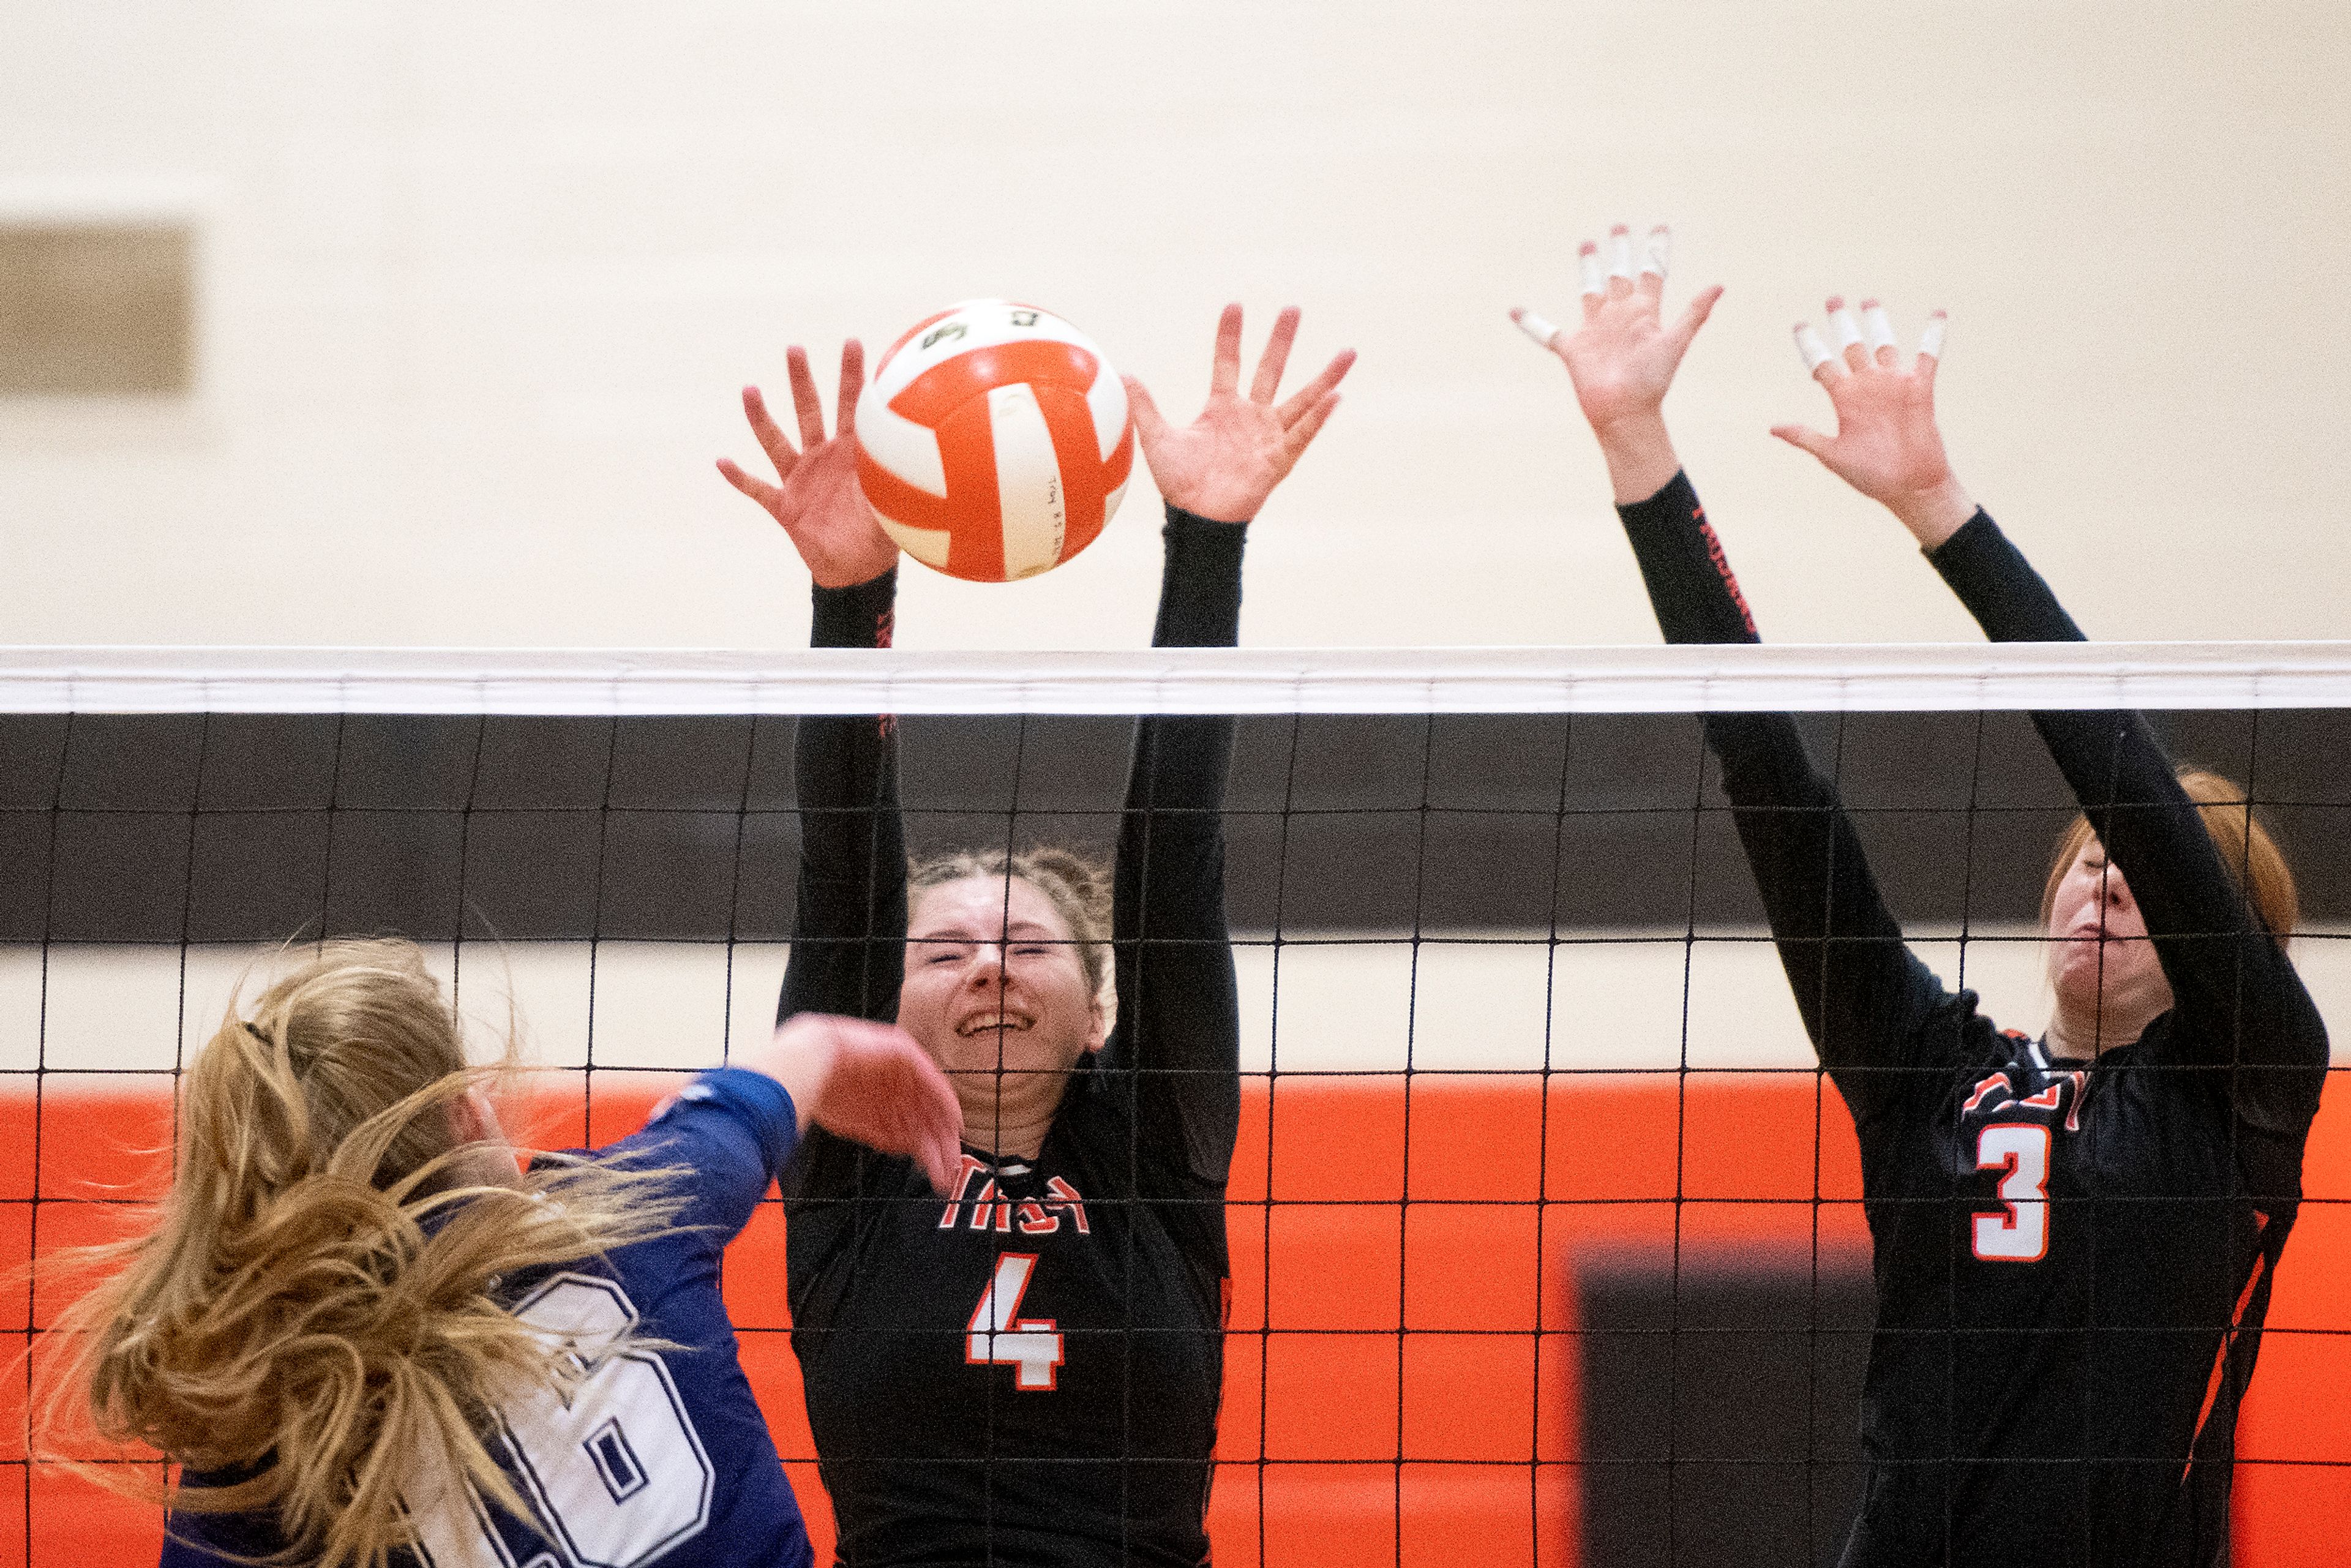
[477,284]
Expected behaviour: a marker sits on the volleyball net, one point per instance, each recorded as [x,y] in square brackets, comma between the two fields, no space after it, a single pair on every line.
[1546,1227]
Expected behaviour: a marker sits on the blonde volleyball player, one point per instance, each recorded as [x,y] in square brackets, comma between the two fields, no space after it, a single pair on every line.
[1029,1373]
[370,1337]
[2075,1234]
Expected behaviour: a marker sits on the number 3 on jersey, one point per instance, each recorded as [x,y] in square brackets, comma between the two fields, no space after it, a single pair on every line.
[1000,1336]
[2020,1234]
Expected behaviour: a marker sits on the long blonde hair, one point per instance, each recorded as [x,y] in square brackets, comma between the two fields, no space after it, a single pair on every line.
[319,1295]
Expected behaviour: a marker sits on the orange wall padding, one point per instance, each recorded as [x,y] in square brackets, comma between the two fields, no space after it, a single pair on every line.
[1391,1206]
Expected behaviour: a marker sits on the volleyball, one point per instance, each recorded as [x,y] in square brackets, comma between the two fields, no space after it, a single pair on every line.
[994,442]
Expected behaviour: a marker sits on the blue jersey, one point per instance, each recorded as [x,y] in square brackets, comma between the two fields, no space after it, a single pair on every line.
[658,1456]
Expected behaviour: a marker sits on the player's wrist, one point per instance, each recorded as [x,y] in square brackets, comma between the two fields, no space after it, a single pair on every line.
[1639,455]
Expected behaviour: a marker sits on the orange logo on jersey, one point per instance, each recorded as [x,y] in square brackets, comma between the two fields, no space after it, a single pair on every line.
[992,1209]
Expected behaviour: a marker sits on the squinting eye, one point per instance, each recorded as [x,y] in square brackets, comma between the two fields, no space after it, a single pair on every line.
[1031,952]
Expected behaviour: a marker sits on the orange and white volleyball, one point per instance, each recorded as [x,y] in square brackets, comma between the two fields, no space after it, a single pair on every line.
[994,442]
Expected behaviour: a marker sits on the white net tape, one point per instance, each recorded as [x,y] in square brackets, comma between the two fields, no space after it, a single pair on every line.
[619,682]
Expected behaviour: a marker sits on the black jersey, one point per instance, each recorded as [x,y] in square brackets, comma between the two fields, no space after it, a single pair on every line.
[1028,1371]
[2072,1259]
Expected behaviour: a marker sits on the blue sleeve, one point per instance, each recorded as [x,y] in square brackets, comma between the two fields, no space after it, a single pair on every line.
[2238,996]
[1179,1003]
[732,1131]
[1863,996]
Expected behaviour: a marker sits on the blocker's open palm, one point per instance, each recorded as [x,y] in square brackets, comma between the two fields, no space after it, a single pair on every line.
[1225,463]
[817,501]
[1623,356]
[1887,444]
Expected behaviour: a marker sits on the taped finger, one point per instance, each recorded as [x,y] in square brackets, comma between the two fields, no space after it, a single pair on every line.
[1848,330]
[1535,327]
[1654,254]
[1880,330]
[1587,261]
[1620,252]
[1816,353]
[1931,342]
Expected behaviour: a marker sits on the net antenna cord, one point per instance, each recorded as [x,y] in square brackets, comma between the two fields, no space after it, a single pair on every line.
[1777,677]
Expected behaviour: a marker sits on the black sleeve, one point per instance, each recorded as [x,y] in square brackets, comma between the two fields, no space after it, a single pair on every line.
[1862,993]
[1178,1024]
[849,930]
[2240,1002]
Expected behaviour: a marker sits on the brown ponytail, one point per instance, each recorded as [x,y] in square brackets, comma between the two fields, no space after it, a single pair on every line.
[317,1296]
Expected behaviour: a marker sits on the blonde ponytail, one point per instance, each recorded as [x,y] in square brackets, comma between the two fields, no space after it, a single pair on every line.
[320,1295]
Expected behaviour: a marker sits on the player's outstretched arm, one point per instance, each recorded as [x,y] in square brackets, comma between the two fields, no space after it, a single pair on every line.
[850,920]
[1856,987]
[1180,1010]
[2244,996]
[1622,358]
[869,1083]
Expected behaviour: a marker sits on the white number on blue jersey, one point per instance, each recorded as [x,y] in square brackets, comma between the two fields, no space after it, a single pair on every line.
[1000,1336]
[612,1461]
[2020,1234]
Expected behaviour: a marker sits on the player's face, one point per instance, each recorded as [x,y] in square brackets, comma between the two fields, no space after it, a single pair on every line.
[993,979]
[2100,959]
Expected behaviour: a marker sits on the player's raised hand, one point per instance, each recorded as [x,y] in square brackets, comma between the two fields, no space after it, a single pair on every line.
[869,1083]
[818,500]
[1225,463]
[1886,445]
[1622,358]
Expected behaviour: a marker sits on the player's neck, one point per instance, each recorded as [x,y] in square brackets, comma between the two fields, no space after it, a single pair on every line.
[2084,1032]
[1011,1114]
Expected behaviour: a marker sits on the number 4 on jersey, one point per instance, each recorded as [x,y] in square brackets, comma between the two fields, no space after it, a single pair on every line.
[1000,1336]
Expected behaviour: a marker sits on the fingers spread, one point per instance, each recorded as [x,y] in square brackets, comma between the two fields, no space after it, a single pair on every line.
[1301,433]
[770,436]
[1150,424]
[1226,375]
[1874,322]
[804,401]
[853,382]
[1653,261]
[1620,262]
[1277,355]
[1594,281]
[1701,307]
[1534,326]
[1313,392]
[1848,332]
[759,490]
[1818,362]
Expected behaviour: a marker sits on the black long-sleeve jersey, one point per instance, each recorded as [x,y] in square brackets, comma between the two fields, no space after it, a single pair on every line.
[1029,1373]
[2073,1259]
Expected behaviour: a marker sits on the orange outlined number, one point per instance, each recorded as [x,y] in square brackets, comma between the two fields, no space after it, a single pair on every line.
[1000,1336]
[2021,1233]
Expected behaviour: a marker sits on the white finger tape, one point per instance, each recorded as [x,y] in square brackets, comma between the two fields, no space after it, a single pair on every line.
[1620,246]
[1594,280]
[1874,322]
[1848,330]
[1660,244]
[1816,353]
[1931,342]
[1535,327]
